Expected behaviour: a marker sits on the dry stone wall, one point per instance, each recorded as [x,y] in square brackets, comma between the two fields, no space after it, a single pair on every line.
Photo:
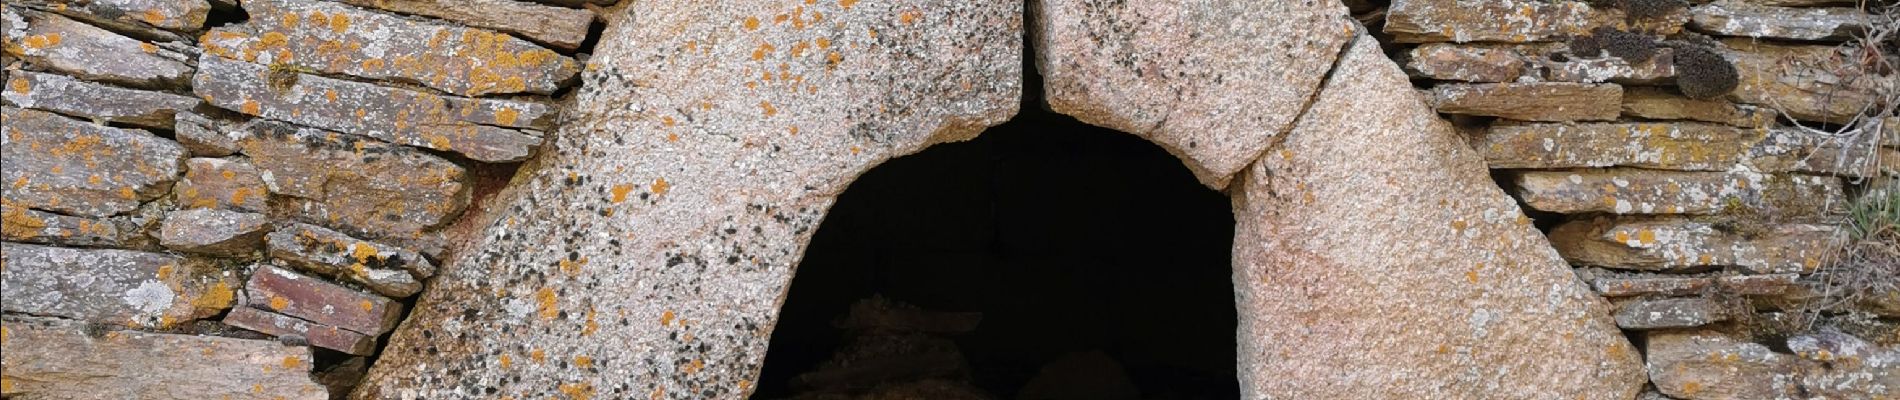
[216,199]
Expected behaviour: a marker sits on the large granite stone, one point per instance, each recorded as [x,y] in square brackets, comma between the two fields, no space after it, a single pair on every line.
[1540,101]
[1213,83]
[1683,244]
[87,52]
[104,103]
[115,287]
[50,359]
[1739,18]
[1640,191]
[1460,297]
[56,163]
[1658,145]
[561,27]
[354,183]
[483,129]
[341,39]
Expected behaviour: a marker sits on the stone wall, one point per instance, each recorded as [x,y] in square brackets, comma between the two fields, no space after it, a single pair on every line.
[241,200]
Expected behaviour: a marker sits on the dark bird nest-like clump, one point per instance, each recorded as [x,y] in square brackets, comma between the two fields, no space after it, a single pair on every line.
[1701,72]
[1632,47]
[1643,9]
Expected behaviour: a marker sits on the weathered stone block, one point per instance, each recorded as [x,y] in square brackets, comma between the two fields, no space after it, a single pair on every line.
[1550,101]
[477,128]
[1598,69]
[1805,81]
[203,136]
[1760,285]
[1685,146]
[341,39]
[1790,149]
[319,335]
[1635,285]
[1703,364]
[354,183]
[66,360]
[87,52]
[561,27]
[326,252]
[1639,191]
[213,232]
[1660,104]
[1677,244]
[312,299]
[1514,21]
[173,15]
[99,102]
[60,164]
[1445,61]
[119,287]
[1738,18]
[223,184]
[1846,367]
[1669,313]
[34,226]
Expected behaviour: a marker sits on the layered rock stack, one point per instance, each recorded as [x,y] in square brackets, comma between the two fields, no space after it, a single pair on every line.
[185,178]
[1701,194]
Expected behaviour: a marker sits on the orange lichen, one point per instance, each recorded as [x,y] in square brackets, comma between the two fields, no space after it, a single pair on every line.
[909,16]
[538,356]
[583,362]
[152,17]
[666,318]
[249,107]
[751,23]
[1646,237]
[847,3]
[620,192]
[292,362]
[19,85]
[660,186]
[339,23]
[763,50]
[766,106]
[148,48]
[218,296]
[279,303]
[588,328]
[544,302]
[506,116]
[507,361]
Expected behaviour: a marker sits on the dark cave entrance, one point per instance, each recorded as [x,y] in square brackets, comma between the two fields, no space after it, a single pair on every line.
[1084,251]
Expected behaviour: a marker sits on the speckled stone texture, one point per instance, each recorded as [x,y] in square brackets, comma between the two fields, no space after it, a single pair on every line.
[52,359]
[60,164]
[1374,258]
[116,287]
[89,100]
[1741,18]
[85,51]
[644,256]
[1679,244]
[1213,82]
[1658,145]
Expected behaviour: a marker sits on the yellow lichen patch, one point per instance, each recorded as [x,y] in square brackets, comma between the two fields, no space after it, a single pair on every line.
[763,50]
[152,17]
[506,116]
[339,23]
[832,60]
[767,108]
[588,328]
[538,356]
[367,306]
[1646,237]
[373,64]
[909,17]
[620,192]
[672,137]
[666,318]
[507,361]
[249,107]
[19,85]
[544,302]
[583,362]
[660,186]
[148,48]
[292,362]
[1471,276]
[329,95]
[751,23]
[218,296]
[279,302]
[847,3]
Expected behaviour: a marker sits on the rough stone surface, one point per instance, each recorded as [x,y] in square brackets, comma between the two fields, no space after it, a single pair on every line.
[21,224]
[1658,145]
[1594,69]
[1514,21]
[618,208]
[1212,83]
[98,102]
[386,269]
[1638,191]
[60,164]
[1844,366]
[1679,244]
[1531,101]
[1738,18]
[1758,285]
[87,52]
[117,287]
[67,360]
[1445,61]
[174,15]
[1659,104]
[222,184]
[1670,313]
[561,27]
[213,232]
[1805,81]
[1463,298]
[1702,364]
[203,136]
[319,335]
[1790,149]
[279,290]
[341,39]
[353,183]
[1622,286]
[477,128]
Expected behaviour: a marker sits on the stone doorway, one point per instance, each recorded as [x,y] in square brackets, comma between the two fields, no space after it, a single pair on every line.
[1046,259]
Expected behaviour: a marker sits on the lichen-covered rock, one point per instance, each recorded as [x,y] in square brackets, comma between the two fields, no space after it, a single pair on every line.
[289,293]
[1445,61]
[1542,101]
[99,102]
[561,27]
[1533,62]
[1758,285]
[20,224]
[1790,149]
[386,269]
[1181,75]
[222,184]
[1670,313]
[1514,21]
[1636,285]
[354,183]
[482,129]
[341,39]
[1705,364]
[67,360]
[173,15]
[60,164]
[213,232]
[1808,82]
[1640,191]
[1844,366]
[1659,104]
[87,52]
[117,287]
[1462,298]
[1660,145]
[203,136]
[319,335]
[1739,18]
[1683,244]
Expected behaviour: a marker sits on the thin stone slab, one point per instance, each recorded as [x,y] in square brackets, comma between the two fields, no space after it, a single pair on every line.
[1686,146]
[354,183]
[561,27]
[222,184]
[1533,62]
[99,102]
[1789,149]
[483,129]
[21,224]
[1637,285]
[114,287]
[1660,104]
[87,52]
[66,360]
[1640,191]
[319,335]
[203,136]
[1705,364]
[1738,18]
[59,164]
[213,232]
[1446,61]
[1511,21]
[1801,81]
[330,253]
[1544,101]
[340,39]
[289,293]
[1212,83]
[1670,313]
[1683,244]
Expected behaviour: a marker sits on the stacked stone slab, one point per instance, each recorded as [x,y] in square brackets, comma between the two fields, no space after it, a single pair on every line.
[167,172]
[1698,217]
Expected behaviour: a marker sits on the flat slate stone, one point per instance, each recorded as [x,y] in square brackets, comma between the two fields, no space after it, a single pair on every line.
[1687,146]
[1669,313]
[1789,149]
[482,129]
[99,102]
[1469,63]
[26,225]
[319,335]
[88,52]
[341,39]
[1683,244]
[1532,62]
[115,287]
[354,183]
[203,136]
[1799,80]
[1661,104]
[1738,18]
[222,184]
[1636,285]
[1759,285]
[330,253]
[315,300]
[60,359]
[1640,191]
[1705,364]
[1545,101]
[1511,21]
[59,164]
[561,27]
[213,232]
